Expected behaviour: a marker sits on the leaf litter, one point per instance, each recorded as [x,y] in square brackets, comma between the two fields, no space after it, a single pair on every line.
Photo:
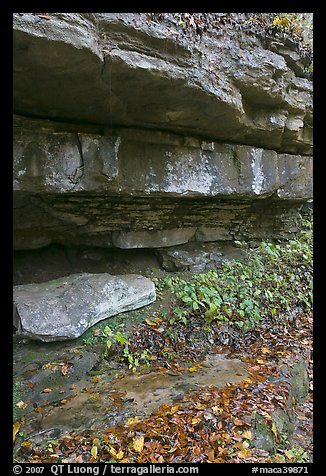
[209,424]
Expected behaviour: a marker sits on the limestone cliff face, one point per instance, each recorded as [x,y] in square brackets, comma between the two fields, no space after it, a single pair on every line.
[129,134]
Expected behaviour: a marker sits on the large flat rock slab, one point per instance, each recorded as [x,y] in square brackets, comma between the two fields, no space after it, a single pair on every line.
[65,308]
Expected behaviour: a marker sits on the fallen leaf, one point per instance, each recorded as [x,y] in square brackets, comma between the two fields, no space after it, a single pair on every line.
[265,350]
[245,453]
[65,369]
[247,434]
[138,444]
[120,454]
[195,420]
[21,404]
[15,429]
[192,369]
[94,451]
[238,422]
[150,323]
[30,384]
[131,421]
[274,430]
[47,390]
[79,459]
[94,379]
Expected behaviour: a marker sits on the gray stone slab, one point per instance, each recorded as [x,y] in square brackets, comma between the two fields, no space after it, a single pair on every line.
[65,308]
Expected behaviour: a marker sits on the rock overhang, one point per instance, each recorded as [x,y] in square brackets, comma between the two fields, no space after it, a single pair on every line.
[119,69]
[139,137]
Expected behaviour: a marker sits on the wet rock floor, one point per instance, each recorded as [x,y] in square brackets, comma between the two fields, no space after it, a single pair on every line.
[57,390]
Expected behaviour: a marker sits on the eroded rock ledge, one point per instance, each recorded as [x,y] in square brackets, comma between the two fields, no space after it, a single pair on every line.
[141,189]
[129,135]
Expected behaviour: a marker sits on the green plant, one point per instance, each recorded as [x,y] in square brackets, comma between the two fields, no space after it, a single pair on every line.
[134,359]
[118,337]
[297,455]
[273,282]
[137,358]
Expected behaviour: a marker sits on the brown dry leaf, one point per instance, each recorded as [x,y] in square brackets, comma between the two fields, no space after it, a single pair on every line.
[79,459]
[245,453]
[30,384]
[260,361]
[65,369]
[96,396]
[47,390]
[175,408]
[138,444]
[16,427]
[238,422]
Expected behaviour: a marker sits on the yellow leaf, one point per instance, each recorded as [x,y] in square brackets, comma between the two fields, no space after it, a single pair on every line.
[79,459]
[27,443]
[274,430]
[94,379]
[247,434]
[174,409]
[119,455]
[94,452]
[131,421]
[138,444]
[192,369]
[195,420]
[265,350]
[260,361]
[150,323]
[15,429]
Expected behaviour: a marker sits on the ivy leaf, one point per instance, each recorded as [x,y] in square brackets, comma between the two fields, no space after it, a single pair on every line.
[121,339]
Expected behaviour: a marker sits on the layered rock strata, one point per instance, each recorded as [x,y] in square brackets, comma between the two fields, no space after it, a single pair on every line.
[129,134]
